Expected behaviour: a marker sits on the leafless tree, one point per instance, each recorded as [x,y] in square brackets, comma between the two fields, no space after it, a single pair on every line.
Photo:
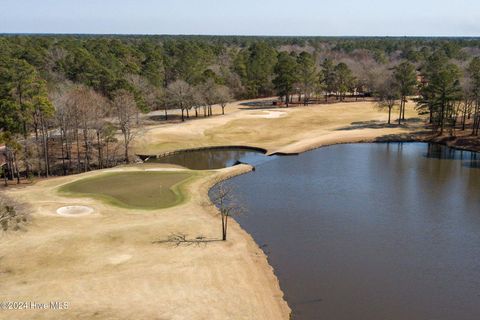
[198,100]
[233,82]
[88,108]
[180,95]
[388,96]
[89,104]
[125,113]
[227,204]
[100,109]
[209,94]
[181,239]
[223,96]
[150,96]
[63,121]
[74,107]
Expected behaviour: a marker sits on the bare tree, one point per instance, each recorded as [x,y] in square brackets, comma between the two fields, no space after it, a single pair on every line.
[147,96]
[388,95]
[224,200]
[181,239]
[209,94]
[180,95]
[89,110]
[63,121]
[223,96]
[79,111]
[198,100]
[126,113]
[73,104]
[99,111]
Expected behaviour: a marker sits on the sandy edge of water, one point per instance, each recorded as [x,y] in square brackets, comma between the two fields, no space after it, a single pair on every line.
[264,267]
[271,283]
[269,298]
[305,145]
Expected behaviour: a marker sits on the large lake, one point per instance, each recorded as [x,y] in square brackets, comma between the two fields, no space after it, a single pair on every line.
[370,231]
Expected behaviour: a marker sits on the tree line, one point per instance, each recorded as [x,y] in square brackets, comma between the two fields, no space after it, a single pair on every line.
[448,95]
[74,103]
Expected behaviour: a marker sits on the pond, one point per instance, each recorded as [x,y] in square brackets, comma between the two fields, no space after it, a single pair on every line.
[370,231]
[213,158]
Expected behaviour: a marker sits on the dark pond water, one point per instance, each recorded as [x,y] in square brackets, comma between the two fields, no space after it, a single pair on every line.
[370,231]
[213,158]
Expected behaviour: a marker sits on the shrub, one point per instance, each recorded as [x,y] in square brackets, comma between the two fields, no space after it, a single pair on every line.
[12,217]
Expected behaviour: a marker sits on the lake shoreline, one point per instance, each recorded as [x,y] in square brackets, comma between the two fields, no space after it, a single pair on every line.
[256,196]
[464,142]
[405,138]
[260,295]
[236,271]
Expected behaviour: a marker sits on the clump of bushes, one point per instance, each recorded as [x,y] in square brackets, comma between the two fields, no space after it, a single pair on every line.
[12,217]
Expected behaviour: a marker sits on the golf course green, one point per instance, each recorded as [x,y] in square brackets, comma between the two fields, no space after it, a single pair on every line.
[138,189]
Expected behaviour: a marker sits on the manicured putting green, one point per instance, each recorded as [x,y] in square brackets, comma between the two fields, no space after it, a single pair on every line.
[142,190]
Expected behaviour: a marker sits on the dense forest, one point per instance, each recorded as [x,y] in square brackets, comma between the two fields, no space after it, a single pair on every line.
[66,100]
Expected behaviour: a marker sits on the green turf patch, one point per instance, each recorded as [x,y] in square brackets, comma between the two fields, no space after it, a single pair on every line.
[139,189]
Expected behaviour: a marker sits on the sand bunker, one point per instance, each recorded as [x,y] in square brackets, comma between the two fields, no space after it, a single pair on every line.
[275,114]
[164,169]
[117,170]
[75,211]
[270,114]
[120,258]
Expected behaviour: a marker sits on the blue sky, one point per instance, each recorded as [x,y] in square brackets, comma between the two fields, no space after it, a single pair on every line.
[244,17]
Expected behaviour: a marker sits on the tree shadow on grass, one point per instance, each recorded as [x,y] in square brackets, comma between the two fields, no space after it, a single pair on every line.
[417,136]
[375,124]
[181,239]
[171,118]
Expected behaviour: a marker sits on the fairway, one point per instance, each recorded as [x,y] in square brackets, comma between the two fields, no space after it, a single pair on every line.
[142,190]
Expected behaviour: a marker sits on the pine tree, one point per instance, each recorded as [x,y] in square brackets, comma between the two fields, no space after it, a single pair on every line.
[286,75]
[406,80]
[307,74]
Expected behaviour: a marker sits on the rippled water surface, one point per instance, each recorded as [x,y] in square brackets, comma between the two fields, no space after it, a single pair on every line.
[370,231]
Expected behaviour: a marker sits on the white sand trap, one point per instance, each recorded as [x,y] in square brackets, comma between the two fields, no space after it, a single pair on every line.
[275,114]
[165,169]
[270,114]
[118,259]
[75,211]
[118,170]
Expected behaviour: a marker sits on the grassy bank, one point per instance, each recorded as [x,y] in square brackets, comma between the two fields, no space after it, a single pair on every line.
[113,255]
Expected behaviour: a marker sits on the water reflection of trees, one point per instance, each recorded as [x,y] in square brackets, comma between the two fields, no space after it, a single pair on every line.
[208,158]
[441,152]
[440,168]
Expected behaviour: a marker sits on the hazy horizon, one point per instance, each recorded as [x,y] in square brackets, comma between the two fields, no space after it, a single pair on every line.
[347,18]
[235,35]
